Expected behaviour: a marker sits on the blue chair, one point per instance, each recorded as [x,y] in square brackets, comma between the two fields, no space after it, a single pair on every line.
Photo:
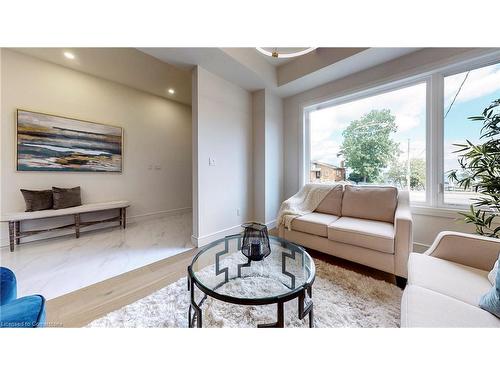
[25,312]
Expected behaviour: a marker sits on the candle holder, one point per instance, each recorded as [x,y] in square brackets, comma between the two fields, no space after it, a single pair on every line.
[255,241]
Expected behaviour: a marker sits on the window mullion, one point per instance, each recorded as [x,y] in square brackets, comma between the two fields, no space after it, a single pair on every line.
[435,140]
[305,163]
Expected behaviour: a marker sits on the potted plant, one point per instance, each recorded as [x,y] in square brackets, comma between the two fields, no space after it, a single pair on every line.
[480,171]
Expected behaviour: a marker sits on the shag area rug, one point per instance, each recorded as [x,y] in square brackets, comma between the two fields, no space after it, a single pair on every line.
[342,298]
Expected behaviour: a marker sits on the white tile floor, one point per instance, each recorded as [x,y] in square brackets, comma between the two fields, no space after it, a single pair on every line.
[60,265]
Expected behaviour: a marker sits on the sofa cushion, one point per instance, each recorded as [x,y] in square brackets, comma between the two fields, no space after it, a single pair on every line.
[314,223]
[461,282]
[421,307]
[332,203]
[370,202]
[376,235]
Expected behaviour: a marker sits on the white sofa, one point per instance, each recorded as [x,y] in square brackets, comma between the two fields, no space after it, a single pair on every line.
[364,224]
[446,282]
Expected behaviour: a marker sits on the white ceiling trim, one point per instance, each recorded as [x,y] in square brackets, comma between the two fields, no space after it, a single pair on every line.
[249,69]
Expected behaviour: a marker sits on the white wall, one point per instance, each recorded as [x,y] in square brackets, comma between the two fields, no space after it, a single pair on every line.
[426,227]
[259,155]
[268,155]
[157,131]
[274,156]
[223,128]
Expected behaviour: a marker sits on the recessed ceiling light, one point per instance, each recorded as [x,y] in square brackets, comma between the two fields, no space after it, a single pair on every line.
[69,55]
[171,91]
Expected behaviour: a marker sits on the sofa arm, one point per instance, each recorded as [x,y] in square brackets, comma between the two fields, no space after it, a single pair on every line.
[403,238]
[468,249]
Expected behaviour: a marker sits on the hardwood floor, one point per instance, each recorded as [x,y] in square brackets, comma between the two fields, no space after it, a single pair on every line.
[78,308]
[359,268]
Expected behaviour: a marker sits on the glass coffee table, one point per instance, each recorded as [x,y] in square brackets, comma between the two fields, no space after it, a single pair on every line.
[221,271]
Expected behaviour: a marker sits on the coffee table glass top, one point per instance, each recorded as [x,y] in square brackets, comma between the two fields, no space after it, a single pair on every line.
[221,269]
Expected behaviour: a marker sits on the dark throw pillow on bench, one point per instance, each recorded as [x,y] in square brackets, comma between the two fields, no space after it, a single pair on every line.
[37,200]
[64,198]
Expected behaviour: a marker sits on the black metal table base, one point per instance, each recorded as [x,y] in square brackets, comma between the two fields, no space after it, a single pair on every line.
[304,309]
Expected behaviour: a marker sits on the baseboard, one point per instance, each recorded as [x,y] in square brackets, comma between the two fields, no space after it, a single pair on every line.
[4,242]
[271,224]
[206,239]
[175,211]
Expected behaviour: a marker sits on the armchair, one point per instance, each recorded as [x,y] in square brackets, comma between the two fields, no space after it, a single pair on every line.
[25,312]
[467,249]
[446,283]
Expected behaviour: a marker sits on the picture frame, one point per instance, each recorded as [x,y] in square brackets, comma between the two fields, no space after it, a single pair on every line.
[48,142]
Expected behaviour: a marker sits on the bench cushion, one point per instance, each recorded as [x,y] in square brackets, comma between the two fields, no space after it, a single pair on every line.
[90,207]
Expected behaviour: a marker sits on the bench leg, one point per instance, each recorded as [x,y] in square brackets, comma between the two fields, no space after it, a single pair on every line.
[124,217]
[17,231]
[12,235]
[77,225]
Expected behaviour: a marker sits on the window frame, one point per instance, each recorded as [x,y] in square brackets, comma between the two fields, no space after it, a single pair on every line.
[462,68]
[434,151]
[379,90]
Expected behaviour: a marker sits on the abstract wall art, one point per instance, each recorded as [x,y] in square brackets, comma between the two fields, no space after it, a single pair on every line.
[53,143]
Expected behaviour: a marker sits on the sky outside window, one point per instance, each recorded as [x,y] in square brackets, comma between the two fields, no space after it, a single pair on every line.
[407,105]
[481,87]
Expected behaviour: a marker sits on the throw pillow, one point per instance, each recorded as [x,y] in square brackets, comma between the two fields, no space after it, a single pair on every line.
[64,198]
[493,273]
[491,300]
[37,200]
[332,203]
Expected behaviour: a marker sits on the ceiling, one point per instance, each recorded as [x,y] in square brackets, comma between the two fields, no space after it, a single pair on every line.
[278,62]
[127,66]
[253,71]
[156,70]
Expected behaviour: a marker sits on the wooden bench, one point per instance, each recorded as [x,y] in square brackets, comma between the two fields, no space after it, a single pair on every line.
[14,219]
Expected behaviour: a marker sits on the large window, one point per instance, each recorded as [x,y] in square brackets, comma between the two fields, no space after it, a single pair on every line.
[375,140]
[465,94]
[403,134]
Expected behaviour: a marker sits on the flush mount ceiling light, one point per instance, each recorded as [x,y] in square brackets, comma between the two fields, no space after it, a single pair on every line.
[69,55]
[171,91]
[285,53]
